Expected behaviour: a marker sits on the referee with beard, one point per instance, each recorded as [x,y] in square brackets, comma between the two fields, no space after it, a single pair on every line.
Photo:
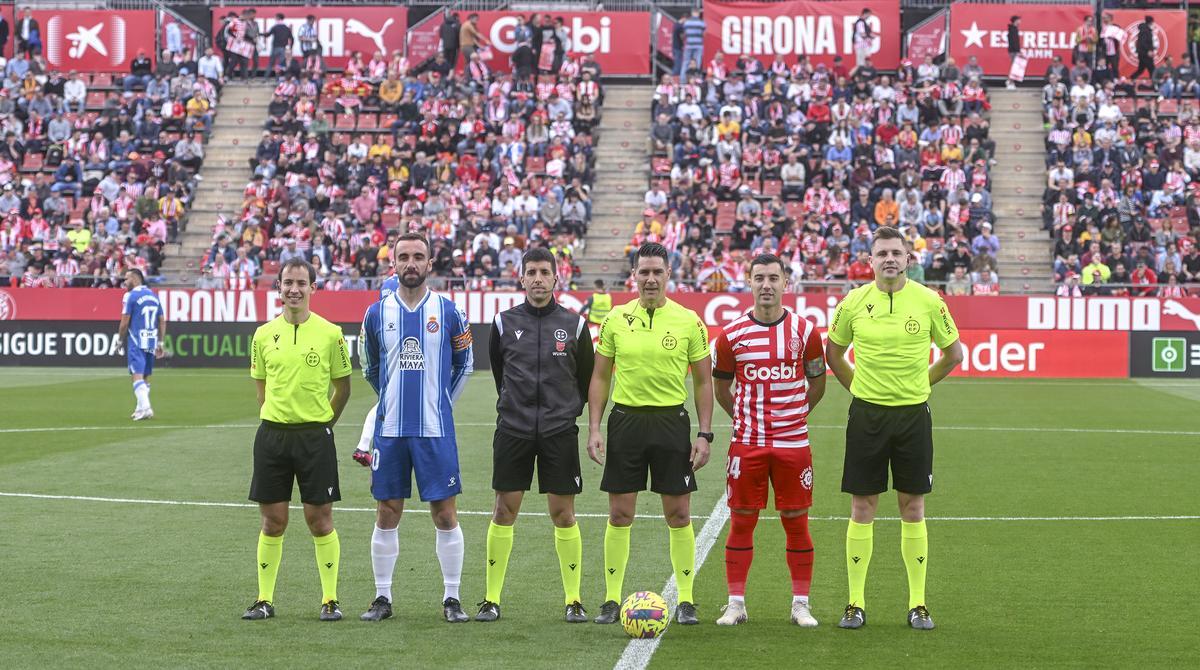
[891,322]
[294,359]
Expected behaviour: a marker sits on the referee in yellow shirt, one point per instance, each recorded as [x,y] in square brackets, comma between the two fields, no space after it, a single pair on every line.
[294,360]
[646,347]
[891,322]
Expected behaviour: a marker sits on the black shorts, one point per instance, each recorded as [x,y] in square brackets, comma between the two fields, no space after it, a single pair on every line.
[303,452]
[657,439]
[877,435]
[557,458]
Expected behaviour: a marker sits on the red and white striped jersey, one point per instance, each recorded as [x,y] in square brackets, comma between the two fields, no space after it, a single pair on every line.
[770,364]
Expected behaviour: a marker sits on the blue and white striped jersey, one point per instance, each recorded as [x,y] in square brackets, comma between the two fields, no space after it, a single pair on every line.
[418,362]
[143,308]
[389,286]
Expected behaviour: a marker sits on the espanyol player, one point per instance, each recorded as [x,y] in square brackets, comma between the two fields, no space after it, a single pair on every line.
[143,326]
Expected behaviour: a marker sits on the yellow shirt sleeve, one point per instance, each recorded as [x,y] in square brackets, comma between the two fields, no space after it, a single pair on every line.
[258,367]
[607,345]
[339,358]
[945,332]
[698,343]
[841,330]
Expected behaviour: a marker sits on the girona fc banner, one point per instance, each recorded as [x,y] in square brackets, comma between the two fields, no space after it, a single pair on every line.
[1170,35]
[818,30]
[341,30]
[982,31]
[95,41]
[619,41]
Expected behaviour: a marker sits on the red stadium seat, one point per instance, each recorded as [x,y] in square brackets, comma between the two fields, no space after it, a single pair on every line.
[270,267]
[265,283]
[345,122]
[726,215]
[325,102]
[367,122]
[1168,107]
[1127,105]
[772,187]
[794,209]
[102,80]
[390,220]
[660,165]
[95,99]
[386,121]
[535,164]
[32,163]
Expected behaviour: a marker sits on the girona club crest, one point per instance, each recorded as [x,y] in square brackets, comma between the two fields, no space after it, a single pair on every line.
[8,307]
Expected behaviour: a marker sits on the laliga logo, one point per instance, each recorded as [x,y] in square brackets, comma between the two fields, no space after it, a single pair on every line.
[1129,42]
[8,307]
[84,40]
[584,39]
[783,371]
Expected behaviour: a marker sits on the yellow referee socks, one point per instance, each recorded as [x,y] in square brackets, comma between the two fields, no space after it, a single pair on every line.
[683,560]
[914,547]
[329,552]
[270,552]
[499,547]
[616,555]
[569,546]
[859,538]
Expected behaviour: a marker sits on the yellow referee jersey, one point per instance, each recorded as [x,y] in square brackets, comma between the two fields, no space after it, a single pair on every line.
[651,352]
[298,361]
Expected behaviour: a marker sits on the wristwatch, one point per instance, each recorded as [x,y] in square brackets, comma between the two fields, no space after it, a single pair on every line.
[708,436]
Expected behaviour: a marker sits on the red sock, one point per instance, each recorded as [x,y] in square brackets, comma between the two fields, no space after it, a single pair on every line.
[739,551]
[799,553]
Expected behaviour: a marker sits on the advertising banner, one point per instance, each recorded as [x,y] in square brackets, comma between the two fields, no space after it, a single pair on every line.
[664,36]
[818,30]
[424,40]
[1169,30]
[982,31]
[619,41]
[341,30]
[95,41]
[928,38]
[1169,354]
[1023,353]
[1033,313]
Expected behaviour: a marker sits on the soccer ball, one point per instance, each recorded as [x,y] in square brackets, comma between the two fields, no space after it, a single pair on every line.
[644,615]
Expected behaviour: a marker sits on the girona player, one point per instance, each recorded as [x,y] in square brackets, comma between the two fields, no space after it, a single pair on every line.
[776,358]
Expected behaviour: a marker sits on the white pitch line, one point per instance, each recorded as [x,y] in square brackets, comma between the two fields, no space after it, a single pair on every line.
[1005,429]
[637,653]
[842,519]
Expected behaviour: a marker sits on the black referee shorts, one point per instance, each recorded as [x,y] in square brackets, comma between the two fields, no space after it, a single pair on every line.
[878,435]
[556,456]
[654,439]
[303,452]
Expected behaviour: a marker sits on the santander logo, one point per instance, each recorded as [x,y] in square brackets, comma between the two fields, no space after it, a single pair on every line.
[762,373]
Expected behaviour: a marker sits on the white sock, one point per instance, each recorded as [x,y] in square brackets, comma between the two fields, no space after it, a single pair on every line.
[385,547]
[141,391]
[364,439]
[800,599]
[450,555]
[737,599]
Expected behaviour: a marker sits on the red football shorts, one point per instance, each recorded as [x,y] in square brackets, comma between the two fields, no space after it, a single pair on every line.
[751,470]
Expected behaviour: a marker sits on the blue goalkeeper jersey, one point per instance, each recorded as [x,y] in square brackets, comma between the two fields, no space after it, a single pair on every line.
[418,362]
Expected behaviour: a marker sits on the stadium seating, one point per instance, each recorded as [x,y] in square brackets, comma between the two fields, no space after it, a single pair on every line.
[869,149]
[90,186]
[479,162]
[1120,201]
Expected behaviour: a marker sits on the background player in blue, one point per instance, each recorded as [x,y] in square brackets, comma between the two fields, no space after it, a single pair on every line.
[143,327]
[417,356]
[362,453]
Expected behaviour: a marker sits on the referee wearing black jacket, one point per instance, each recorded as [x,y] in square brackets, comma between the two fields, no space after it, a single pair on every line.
[542,360]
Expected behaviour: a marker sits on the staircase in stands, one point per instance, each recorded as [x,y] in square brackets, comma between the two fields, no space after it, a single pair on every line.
[1018,180]
[236,132]
[622,177]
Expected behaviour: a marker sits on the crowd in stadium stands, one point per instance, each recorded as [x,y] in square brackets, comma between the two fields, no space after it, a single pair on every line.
[807,161]
[1123,161]
[484,163]
[96,171]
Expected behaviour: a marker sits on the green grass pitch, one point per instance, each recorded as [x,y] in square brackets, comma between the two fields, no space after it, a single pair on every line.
[1022,574]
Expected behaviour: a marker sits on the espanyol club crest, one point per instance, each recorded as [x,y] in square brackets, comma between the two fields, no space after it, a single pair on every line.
[806,478]
[432,326]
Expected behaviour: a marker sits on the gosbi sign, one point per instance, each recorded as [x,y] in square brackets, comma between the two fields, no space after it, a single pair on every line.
[817,30]
[94,41]
[341,30]
[1169,30]
[619,41]
[982,31]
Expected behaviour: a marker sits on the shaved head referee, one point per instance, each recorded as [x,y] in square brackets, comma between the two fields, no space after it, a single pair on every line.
[891,322]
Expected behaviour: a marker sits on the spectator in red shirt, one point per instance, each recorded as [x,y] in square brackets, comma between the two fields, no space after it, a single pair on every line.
[860,269]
